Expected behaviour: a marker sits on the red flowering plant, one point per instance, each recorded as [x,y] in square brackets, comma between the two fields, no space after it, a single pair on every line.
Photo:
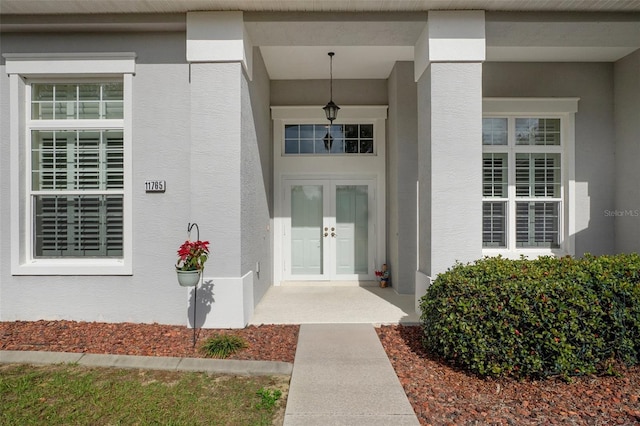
[192,255]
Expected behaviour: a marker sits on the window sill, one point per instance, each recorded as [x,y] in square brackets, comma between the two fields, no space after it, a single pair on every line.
[527,253]
[73,267]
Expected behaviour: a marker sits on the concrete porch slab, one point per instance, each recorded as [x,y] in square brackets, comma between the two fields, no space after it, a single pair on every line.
[334,304]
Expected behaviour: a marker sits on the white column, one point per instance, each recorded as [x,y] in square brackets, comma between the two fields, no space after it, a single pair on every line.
[215,161]
[448,69]
[216,52]
[219,37]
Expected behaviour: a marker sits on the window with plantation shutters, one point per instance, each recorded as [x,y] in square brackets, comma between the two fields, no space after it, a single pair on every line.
[71,133]
[522,182]
[77,169]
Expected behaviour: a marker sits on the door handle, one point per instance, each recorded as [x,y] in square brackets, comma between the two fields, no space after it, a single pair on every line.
[333,234]
[326,234]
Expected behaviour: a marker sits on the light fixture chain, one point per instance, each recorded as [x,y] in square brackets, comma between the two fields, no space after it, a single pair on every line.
[331,109]
[331,76]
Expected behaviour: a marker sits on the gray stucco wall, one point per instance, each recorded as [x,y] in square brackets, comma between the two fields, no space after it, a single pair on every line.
[402,175]
[627,127]
[316,92]
[150,47]
[257,178]
[424,175]
[594,134]
[161,109]
[206,130]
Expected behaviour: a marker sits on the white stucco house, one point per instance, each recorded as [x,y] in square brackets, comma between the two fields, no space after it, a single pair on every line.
[466,128]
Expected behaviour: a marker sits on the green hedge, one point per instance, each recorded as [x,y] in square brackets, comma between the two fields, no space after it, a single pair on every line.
[536,318]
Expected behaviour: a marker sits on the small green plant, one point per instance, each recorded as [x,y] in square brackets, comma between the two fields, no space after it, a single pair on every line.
[268,398]
[223,345]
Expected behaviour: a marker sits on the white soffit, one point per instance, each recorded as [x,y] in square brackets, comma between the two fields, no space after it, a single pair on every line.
[349,62]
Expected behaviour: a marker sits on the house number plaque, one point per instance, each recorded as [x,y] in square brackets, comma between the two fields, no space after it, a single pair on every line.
[155,185]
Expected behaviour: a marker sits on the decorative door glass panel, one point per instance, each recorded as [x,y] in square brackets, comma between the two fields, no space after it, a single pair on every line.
[306,229]
[352,229]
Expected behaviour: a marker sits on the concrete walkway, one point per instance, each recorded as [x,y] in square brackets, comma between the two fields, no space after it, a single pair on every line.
[213,366]
[342,376]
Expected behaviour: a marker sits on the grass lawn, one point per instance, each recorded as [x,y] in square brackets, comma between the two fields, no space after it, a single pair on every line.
[75,395]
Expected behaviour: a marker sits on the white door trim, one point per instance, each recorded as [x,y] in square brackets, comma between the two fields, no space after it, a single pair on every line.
[329,248]
[335,167]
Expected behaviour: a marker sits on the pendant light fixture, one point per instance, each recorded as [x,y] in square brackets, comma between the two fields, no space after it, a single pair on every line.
[331,109]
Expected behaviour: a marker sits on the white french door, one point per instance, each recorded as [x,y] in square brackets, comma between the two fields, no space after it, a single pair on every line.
[329,231]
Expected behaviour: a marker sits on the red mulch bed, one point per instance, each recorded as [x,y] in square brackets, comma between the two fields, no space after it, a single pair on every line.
[440,395]
[266,342]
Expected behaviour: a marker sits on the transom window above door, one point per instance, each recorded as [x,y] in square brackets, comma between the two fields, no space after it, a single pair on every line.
[322,139]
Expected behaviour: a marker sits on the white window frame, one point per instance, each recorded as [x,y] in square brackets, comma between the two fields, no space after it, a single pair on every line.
[564,109]
[24,69]
[327,126]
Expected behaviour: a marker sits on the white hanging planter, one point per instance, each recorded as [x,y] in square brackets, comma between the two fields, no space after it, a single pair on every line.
[188,278]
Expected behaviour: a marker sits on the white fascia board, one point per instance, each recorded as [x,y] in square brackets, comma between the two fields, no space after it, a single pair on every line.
[27,64]
[215,50]
[450,36]
[457,36]
[219,37]
[452,50]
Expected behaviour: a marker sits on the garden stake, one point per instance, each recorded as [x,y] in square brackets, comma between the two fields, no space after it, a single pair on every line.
[195,289]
